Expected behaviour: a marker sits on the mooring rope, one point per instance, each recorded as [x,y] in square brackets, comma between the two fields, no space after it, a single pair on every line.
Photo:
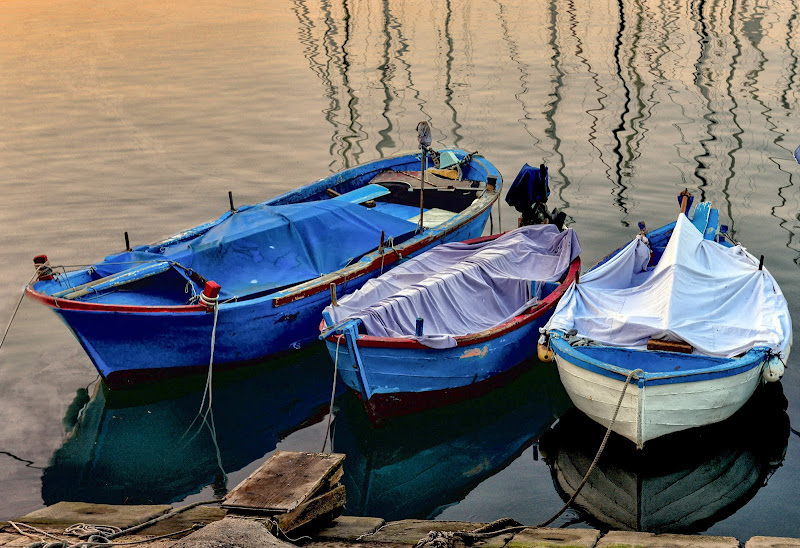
[16,309]
[333,394]
[207,416]
[102,535]
[444,539]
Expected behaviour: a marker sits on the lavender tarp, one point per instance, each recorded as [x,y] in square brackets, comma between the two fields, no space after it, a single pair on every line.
[460,288]
[713,297]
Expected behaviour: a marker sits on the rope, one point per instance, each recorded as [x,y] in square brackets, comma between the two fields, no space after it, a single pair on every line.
[440,539]
[275,529]
[208,416]
[85,530]
[101,535]
[14,314]
[333,393]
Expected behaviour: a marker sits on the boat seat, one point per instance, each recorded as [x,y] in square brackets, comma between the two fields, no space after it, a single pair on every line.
[433,217]
[670,346]
[364,194]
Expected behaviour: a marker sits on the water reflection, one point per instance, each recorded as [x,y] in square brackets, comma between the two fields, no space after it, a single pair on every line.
[416,466]
[682,483]
[132,447]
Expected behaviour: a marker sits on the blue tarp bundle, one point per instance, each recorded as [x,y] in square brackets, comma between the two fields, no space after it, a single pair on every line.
[264,247]
[460,288]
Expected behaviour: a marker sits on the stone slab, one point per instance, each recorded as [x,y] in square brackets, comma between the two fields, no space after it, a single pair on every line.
[7,537]
[772,542]
[64,514]
[553,538]
[410,531]
[238,532]
[631,539]
[184,520]
[20,541]
[348,528]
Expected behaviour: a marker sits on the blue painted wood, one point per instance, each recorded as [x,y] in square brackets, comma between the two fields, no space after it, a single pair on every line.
[713,223]
[659,367]
[364,194]
[414,370]
[701,215]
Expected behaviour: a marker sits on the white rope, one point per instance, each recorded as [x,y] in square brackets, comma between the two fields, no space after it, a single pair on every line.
[207,416]
[333,394]
[86,530]
[16,309]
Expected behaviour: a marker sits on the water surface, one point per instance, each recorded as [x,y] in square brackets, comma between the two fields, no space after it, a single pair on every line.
[141,116]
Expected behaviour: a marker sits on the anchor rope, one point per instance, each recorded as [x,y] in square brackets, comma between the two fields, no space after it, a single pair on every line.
[333,394]
[444,539]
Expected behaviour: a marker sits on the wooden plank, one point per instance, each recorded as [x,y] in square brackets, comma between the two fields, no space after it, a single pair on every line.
[670,346]
[284,481]
[364,194]
[327,504]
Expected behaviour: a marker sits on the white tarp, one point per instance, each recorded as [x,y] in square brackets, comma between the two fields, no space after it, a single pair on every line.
[710,296]
[460,288]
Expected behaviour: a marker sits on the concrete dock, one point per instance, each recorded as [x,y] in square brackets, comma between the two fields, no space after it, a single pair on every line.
[210,526]
[296,498]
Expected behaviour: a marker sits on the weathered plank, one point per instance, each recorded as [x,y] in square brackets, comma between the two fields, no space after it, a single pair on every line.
[670,346]
[285,481]
[328,504]
[63,514]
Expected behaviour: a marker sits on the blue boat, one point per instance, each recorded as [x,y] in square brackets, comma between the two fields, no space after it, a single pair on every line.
[254,281]
[451,323]
[673,331]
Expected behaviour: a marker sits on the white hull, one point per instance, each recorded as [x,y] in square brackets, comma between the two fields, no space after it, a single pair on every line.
[649,412]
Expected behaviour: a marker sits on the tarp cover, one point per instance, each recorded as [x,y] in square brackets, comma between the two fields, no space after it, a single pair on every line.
[263,247]
[460,288]
[711,296]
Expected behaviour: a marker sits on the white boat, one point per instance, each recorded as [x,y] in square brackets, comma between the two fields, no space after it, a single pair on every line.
[688,320]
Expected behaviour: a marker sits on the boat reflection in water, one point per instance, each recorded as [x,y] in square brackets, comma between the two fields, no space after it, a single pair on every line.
[683,483]
[132,447]
[416,465]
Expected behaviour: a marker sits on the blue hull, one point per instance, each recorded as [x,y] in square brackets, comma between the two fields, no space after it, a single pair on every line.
[136,342]
[400,376]
[394,381]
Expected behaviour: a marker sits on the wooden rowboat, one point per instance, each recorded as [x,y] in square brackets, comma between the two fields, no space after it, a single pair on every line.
[264,270]
[507,286]
[692,323]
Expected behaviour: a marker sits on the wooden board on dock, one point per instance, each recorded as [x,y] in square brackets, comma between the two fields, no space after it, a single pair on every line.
[285,481]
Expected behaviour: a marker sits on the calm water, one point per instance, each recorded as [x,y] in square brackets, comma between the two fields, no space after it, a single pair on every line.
[141,116]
